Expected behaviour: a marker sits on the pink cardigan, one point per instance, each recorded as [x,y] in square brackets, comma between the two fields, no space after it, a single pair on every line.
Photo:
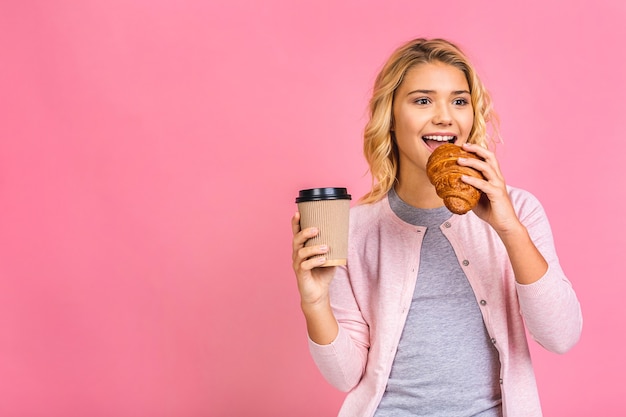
[372,295]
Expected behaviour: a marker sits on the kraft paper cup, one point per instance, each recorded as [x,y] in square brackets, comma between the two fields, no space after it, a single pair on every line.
[328,209]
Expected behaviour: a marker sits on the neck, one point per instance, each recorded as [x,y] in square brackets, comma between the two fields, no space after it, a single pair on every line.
[418,193]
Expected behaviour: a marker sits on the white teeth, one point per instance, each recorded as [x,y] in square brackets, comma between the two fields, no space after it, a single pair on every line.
[439,138]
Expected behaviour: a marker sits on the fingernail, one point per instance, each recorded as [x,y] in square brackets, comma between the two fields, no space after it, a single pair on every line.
[321,260]
[462,159]
[324,248]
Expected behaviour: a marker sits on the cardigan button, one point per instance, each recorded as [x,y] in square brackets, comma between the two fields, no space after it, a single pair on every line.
[483,302]
[501,381]
[447,225]
[465,262]
[493,340]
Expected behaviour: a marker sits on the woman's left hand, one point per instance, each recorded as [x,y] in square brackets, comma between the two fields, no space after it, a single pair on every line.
[494,206]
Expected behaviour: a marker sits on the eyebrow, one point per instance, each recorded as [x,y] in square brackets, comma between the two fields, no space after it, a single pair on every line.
[454,93]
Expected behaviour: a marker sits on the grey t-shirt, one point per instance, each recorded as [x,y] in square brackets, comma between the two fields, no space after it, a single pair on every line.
[446,365]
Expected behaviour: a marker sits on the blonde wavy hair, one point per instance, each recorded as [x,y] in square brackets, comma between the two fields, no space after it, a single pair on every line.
[380,150]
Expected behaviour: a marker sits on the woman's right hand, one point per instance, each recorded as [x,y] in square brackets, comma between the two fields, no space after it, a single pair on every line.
[313,281]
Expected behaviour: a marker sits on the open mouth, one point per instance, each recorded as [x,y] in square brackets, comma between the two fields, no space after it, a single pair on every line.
[434,141]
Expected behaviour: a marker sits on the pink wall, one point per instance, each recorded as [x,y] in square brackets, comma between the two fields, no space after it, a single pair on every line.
[150,152]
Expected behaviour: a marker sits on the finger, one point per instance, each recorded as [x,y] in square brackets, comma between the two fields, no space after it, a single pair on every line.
[312,263]
[476,182]
[478,165]
[306,252]
[489,188]
[301,237]
[305,260]
[481,151]
[309,251]
[295,223]
[485,154]
[488,165]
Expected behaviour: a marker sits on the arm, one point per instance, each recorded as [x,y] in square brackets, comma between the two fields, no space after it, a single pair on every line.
[497,209]
[528,263]
[548,303]
[313,283]
[338,346]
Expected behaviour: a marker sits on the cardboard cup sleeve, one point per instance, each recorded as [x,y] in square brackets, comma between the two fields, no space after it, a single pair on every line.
[328,209]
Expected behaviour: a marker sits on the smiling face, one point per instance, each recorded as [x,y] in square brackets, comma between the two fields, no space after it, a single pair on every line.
[432,106]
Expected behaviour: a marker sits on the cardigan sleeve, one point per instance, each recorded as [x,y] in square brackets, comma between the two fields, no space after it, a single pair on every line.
[549,306]
[342,362]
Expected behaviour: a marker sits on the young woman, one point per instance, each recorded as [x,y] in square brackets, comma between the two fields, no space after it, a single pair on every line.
[429,316]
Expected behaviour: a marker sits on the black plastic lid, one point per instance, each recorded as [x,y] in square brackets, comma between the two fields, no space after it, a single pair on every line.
[318,194]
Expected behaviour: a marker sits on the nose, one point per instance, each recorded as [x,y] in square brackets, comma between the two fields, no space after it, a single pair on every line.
[442,115]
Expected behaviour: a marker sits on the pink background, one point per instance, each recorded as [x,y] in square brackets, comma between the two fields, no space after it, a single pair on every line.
[150,153]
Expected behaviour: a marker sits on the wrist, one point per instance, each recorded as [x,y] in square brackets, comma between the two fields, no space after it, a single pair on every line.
[321,324]
[514,231]
[312,306]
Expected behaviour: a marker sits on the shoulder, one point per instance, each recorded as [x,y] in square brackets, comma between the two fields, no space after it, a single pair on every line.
[520,195]
[527,206]
[372,219]
[523,199]
[367,213]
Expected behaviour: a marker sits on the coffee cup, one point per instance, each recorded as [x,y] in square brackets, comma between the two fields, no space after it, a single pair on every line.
[327,209]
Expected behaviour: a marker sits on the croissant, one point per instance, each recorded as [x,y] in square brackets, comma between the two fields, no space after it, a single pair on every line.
[445,174]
